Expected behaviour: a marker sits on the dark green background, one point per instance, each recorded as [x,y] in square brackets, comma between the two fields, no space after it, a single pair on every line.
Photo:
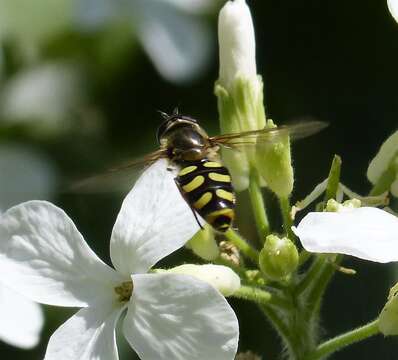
[333,60]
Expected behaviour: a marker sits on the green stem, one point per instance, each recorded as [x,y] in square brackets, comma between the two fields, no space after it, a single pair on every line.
[304,256]
[242,245]
[319,285]
[263,297]
[258,205]
[310,275]
[252,293]
[279,325]
[287,219]
[341,341]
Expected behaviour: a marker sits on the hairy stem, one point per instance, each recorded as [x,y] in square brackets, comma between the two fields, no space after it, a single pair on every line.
[287,219]
[343,340]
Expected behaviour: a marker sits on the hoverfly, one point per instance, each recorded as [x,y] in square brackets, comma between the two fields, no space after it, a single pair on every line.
[203,181]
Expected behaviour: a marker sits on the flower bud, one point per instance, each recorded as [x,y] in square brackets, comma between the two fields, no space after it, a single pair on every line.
[278,258]
[383,169]
[239,89]
[275,165]
[388,320]
[203,244]
[237,44]
[220,277]
[334,206]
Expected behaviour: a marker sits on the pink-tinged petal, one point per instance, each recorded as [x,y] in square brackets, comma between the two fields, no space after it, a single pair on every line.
[88,335]
[44,257]
[153,222]
[179,317]
[367,233]
[21,320]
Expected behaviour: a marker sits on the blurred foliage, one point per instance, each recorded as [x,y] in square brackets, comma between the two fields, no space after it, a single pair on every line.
[81,81]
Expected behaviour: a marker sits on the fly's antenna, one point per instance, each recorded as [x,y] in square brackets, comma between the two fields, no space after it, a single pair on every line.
[163,114]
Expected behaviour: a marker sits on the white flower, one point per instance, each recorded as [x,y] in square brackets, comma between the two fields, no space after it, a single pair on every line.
[169,316]
[393,7]
[44,96]
[367,233]
[21,320]
[237,43]
[25,174]
[175,38]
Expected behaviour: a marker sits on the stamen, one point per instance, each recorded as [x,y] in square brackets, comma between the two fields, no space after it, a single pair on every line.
[124,290]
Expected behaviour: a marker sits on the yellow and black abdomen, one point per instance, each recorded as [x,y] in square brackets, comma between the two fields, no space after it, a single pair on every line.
[206,186]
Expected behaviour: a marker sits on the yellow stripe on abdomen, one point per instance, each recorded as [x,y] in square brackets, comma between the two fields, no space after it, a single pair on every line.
[187,170]
[212,164]
[203,201]
[223,194]
[194,184]
[219,177]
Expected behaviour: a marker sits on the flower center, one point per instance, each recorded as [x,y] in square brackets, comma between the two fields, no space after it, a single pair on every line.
[124,291]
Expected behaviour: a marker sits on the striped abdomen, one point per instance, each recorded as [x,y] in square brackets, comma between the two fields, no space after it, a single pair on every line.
[206,186]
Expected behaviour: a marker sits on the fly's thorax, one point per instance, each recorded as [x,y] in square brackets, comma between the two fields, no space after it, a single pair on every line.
[206,186]
[184,139]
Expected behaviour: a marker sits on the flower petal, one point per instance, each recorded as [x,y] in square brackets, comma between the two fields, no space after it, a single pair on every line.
[367,233]
[178,317]
[21,320]
[88,335]
[237,43]
[393,7]
[153,222]
[186,40]
[45,258]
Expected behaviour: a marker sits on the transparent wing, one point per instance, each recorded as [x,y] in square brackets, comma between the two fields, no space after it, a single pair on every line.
[295,131]
[120,178]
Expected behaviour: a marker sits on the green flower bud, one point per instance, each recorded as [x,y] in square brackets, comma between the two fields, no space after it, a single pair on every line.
[220,277]
[278,258]
[275,165]
[334,206]
[388,320]
[204,244]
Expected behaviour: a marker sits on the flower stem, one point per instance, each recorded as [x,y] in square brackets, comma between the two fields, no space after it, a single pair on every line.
[242,245]
[311,275]
[253,294]
[262,297]
[341,341]
[257,201]
[287,219]
[318,286]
